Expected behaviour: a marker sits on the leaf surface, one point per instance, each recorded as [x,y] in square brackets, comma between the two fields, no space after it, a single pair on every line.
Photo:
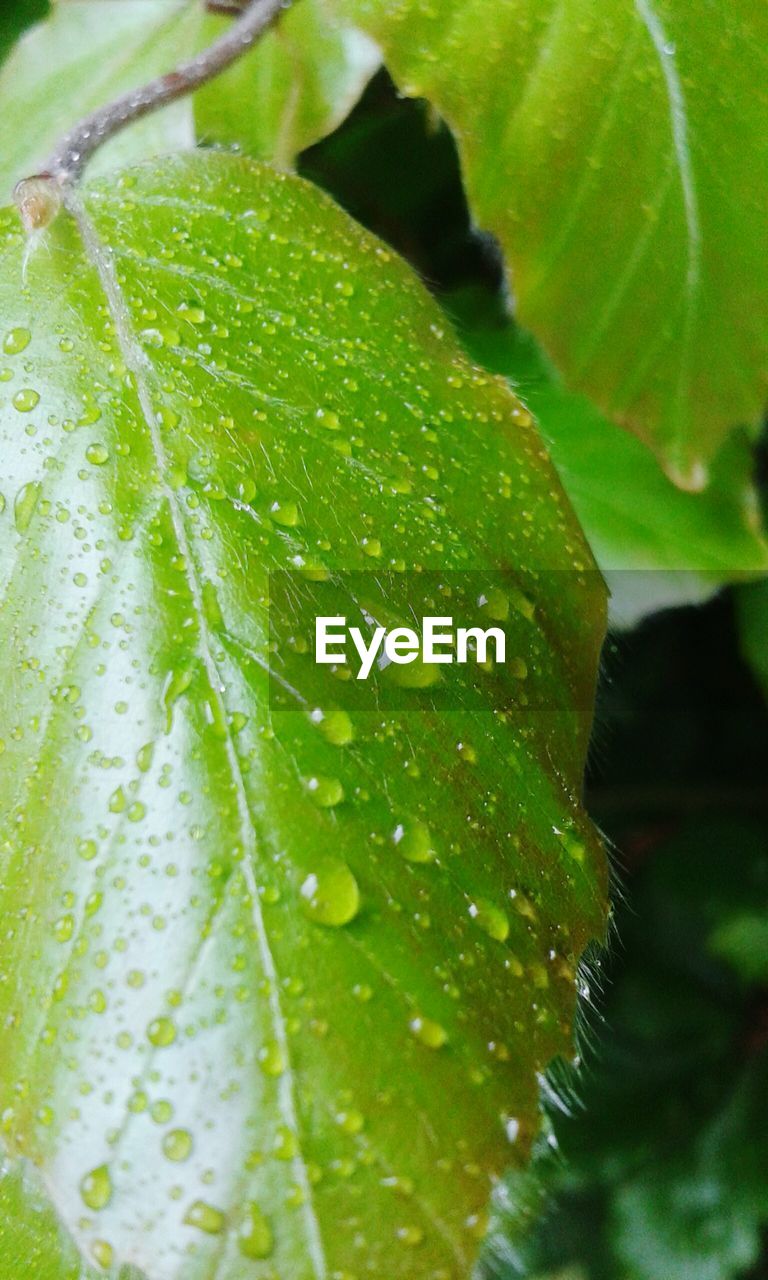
[276,984]
[618,153]
[302,79]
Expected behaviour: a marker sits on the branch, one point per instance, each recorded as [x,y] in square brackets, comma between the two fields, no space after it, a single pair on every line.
[39,197]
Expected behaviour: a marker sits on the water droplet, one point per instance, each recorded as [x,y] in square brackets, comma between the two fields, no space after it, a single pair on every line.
[97,454]
[286,1145]
[16,340]
[206,1218]
[176,684]
[350,1121]
[177,1145]
[26,400]
[255,1239]
[326,792]
[161,1032]
[495,604]
[572,843]
[96,1188]
[285,513]
[271,1059]
[335,726]
[194,315]
[331,896]
[328,419]
[414,842]
[25,504]
[429,1033]
[411,1235]
[491,919]
[102,1253]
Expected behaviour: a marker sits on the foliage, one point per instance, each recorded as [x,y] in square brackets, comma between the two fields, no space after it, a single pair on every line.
[279,981]
[175,422]
[598,145]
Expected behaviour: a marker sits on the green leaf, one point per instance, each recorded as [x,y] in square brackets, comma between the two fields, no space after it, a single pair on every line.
[599,143]
[656,544]
[86,53]
[238,1021]
[302,79]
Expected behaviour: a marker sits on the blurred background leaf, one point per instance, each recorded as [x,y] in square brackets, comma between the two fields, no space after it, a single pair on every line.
[82,55]
[598,142]
[295,87]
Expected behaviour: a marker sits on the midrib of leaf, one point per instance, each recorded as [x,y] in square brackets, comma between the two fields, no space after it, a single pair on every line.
[678,119]
[136,362]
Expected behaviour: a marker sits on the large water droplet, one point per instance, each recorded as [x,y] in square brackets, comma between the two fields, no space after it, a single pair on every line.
[161,1032]
[491,919]
[428,1032]
[26,400]
[255,1239]
[414,842]
[16,340]
[25,504]
[96,1188]
[330,895]
[326,792]
[177,1145]
[206,1218]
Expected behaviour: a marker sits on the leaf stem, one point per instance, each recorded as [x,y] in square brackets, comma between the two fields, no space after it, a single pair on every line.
[39,197]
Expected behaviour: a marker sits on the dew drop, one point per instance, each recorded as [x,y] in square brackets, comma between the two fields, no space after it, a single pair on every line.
[429,1033]
[161,1032]
[96,1188]
[26,400]
[16,340]
[177,1145]
[328,419]
[271,1059]
[102,1253]
[286,1146]
[205,1217]
[330,895]
[335,726]
[491,919]
[414,842]
[326,792]
[25,504]
[97,454]
[285,514]
[255,1239]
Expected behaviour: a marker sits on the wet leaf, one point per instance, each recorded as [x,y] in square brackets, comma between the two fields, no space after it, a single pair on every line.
[275,984]
[296,86]
[617,151]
